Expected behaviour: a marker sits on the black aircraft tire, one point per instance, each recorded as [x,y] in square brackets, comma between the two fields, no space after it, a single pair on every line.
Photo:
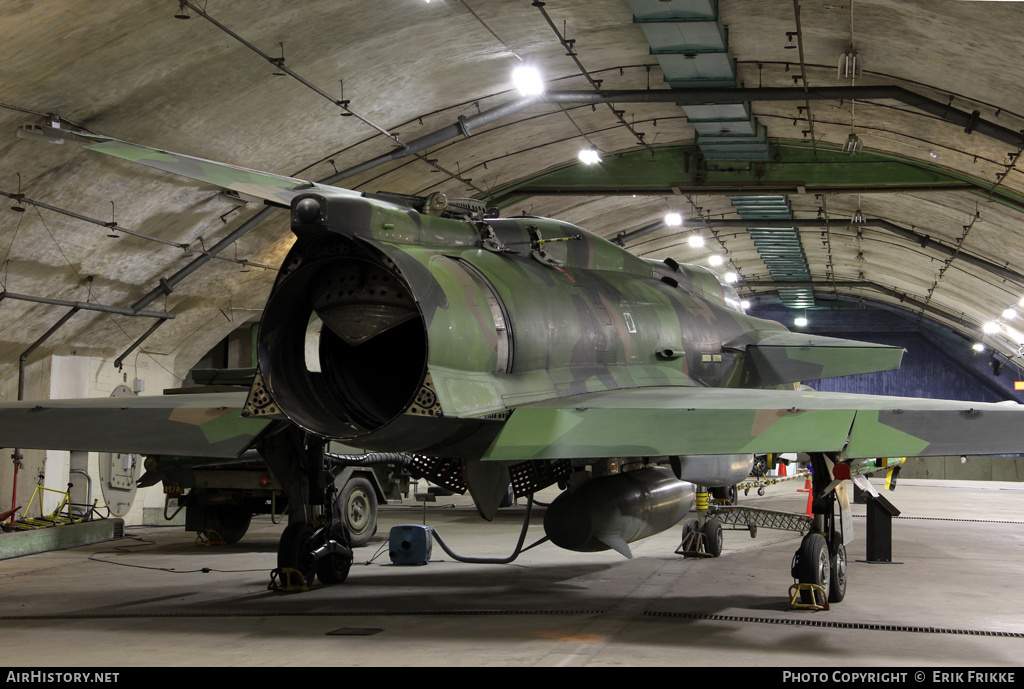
[333,568]
[728,493]
[714,537]
[358,507]
[813,566]
[837,571]
[295,550]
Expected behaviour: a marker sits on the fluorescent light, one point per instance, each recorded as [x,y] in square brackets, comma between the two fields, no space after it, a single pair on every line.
[696,241]
[589,156]
[528,81]
[716,260]
[800,321]
[673,219]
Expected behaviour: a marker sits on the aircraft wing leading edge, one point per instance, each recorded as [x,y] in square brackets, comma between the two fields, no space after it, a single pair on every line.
[718,421]
[277,190]
[208,425]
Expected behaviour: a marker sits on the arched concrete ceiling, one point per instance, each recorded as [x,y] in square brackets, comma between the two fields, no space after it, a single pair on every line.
[943,240]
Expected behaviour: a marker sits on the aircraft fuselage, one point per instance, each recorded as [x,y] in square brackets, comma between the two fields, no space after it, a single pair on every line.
[406,331]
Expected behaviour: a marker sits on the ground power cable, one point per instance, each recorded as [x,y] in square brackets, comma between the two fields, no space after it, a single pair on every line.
[495,561]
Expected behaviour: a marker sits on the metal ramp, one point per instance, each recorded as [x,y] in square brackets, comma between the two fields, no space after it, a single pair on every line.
[746,517]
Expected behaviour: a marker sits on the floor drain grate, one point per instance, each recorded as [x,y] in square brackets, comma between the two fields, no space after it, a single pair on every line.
[834,625]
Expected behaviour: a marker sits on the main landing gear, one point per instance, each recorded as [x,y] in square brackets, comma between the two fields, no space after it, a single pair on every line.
[819,564]
[703,536]
[701,540]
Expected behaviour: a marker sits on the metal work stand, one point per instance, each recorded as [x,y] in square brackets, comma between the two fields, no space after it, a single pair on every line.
[879,531]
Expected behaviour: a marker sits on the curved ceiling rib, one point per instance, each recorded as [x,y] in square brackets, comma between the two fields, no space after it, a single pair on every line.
[935,106]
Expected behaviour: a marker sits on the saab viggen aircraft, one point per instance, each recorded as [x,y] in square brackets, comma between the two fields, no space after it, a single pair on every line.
[517,350]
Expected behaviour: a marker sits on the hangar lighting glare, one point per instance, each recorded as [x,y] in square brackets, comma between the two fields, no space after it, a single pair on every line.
[528,81]
[745,304]
[731,277]
[978,347]
[800,321]
[716,260]
[990,328]
[589,156]
[673,219]
[696,241]
[1009,313]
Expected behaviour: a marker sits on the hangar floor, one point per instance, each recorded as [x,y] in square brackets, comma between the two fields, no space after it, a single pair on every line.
[952,599]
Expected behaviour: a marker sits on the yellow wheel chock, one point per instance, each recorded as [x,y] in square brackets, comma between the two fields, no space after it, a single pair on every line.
[815,589]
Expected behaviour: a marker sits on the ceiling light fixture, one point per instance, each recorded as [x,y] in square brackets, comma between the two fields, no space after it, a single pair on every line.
[800,321]
[850,65]
[589,156]
[673,219]
[990,328]
[528,81]
[852,145]
[182,11]
[1009,314]
[731,277]
[978,347]
[716,260]
[279,61]
[789,41]
[696,241]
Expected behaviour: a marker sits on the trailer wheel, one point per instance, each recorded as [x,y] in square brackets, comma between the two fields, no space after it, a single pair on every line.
[357,505]
[227,523]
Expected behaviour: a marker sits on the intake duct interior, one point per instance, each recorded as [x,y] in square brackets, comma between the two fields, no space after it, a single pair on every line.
[342,344]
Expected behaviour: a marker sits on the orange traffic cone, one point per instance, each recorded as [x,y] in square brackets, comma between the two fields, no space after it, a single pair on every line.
[810,495]
[782,468]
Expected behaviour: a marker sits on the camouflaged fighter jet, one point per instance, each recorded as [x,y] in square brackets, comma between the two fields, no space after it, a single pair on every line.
[516,350]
